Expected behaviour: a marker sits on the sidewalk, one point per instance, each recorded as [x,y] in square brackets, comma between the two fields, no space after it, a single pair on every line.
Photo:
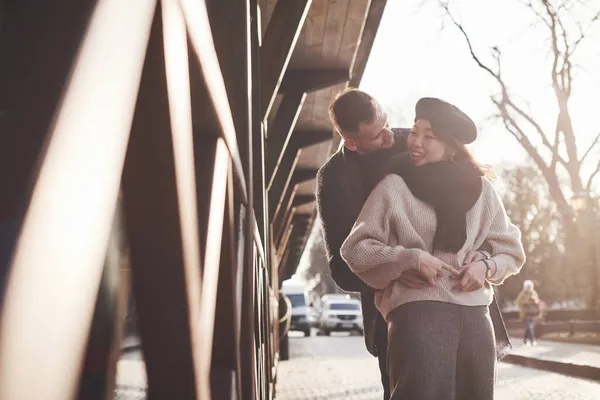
[339,368]
[579,360]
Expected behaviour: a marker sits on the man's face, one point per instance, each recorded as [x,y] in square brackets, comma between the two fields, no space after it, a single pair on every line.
[371,136]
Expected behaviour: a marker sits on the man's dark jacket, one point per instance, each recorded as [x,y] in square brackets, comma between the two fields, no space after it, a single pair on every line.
[342,189]
[343,184]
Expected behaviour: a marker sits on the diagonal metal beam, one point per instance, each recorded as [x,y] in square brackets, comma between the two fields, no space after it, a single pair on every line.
[280,133]
[280,40]
[310,80]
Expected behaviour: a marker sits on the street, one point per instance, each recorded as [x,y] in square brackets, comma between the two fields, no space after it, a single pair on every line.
[339,367]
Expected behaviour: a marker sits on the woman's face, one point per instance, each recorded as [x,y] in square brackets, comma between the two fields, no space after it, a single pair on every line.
[424,147]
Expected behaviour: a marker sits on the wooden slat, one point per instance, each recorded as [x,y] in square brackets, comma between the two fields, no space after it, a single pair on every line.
[288,200]
[158,183]
[282,212]
[334,31]
[287,222]
[310,80]
[257,218]
[353,28]
[63,240]
[212,259]
[201,38]
[365,45]
[180,110]
[225,360]
[281,180]
[230,25]
[280,40]
[284,241]
[281,132]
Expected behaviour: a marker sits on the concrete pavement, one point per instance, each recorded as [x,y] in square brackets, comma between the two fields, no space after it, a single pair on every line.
[339,367]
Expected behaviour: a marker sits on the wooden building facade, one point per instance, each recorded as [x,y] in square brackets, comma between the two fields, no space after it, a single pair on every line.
[164,150]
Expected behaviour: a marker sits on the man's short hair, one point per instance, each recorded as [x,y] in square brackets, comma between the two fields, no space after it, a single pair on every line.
[351,108]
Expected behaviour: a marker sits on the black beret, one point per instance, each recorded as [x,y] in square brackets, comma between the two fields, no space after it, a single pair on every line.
[447,120]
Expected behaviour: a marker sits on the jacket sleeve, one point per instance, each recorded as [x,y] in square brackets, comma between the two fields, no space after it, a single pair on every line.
[336,224]
[504,240]
[367,249]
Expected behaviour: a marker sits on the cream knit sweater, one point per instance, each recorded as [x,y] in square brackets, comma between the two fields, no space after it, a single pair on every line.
[394,228]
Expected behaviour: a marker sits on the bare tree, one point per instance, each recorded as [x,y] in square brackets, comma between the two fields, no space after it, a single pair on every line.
[527,205]
[559,153]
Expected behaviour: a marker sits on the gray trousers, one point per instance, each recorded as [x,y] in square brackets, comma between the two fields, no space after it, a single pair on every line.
[441,351]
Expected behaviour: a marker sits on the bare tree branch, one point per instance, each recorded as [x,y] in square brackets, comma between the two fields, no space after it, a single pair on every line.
[498,77]
[552,179]
[583,33]
[555,50]
[590,181]
[555,154]
[594,142]
[529,4]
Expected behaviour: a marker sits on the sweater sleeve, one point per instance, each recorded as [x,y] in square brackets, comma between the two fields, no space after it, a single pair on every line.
[336,222]
[367,249]
[504,239]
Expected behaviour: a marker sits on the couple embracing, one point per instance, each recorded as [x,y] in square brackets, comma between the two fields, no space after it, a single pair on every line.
[413,223]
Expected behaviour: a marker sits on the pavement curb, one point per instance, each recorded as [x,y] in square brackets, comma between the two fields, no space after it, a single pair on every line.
[570,369]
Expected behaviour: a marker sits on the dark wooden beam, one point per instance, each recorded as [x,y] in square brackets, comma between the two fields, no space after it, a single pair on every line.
[280,133]
[281,180]
[258,196]
[310,80]
[306,138]
[286,224]
[294,248]
[372,22]
[230,26]
[289,203]
[282,213]
[280,40]
[151,201]
[300,200]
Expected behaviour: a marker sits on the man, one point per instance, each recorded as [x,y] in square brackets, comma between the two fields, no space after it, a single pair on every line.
[343,185]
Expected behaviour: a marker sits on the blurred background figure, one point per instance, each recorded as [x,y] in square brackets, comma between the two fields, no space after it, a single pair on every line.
[529,310]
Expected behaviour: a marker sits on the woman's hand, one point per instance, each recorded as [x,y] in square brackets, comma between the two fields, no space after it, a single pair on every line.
[432,268]
[471,277]
[413,279]
[473,256]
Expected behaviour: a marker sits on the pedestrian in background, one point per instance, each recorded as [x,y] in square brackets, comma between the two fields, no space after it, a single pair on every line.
[529,310]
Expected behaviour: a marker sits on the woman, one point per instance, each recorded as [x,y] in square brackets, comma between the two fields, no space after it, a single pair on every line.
[529,309]
[427,215]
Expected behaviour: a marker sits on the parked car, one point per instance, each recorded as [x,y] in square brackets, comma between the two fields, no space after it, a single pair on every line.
[303,315]
[341,314]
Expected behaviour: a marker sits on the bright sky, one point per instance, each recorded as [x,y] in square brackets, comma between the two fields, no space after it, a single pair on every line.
[416,54]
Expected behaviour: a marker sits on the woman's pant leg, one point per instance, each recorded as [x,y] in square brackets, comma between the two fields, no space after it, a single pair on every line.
[476,364]
[422,348]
